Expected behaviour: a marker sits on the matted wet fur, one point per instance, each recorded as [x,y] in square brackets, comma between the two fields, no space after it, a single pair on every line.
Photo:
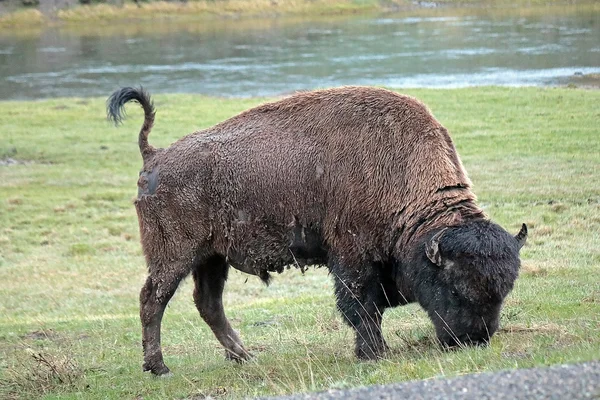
[363,180]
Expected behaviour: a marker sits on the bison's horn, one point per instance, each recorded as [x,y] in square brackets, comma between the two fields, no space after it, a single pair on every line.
[522,236]
[432,248]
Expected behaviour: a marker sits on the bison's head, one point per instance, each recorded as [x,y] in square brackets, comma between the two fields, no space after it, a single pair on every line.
[469,270]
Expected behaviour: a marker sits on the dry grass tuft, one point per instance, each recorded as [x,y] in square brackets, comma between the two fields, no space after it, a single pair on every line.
[543,230]
[558,207]
[227,8]
[41,373]
[533,269]
[535,328]
[215,393]
[594,297]
[22,18]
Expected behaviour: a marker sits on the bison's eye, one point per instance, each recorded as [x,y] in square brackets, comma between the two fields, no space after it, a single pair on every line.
[453,298]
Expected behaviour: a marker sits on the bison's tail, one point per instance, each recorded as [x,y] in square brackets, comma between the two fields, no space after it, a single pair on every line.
[115,110]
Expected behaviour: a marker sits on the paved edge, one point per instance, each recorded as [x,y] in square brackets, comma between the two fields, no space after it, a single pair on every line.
[570,381]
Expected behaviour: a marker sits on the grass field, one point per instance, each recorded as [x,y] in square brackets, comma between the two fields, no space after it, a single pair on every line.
[71,265]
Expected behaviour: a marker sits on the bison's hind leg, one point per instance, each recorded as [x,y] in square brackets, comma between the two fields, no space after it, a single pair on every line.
[159,288]
[209,280]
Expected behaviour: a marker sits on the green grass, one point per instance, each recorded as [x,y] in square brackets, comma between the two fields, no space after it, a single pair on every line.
[71,265]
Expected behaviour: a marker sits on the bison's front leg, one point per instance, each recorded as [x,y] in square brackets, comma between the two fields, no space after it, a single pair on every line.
[361,300]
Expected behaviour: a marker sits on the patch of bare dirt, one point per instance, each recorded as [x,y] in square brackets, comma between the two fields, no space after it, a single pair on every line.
[537,328]
[52,335]
[44,334]
[584,81]
[214,393]
[9,161]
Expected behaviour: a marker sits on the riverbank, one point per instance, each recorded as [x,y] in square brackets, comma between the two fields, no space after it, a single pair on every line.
[14,15]
[585,81]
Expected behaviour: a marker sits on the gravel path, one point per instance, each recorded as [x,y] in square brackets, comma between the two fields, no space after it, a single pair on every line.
[568,382]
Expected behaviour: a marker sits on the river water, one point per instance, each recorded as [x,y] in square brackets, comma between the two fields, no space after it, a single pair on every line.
[228,57]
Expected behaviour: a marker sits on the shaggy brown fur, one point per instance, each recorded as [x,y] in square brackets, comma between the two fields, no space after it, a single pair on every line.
[353,177]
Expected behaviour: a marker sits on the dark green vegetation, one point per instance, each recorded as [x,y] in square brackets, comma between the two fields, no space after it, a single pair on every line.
[71,265]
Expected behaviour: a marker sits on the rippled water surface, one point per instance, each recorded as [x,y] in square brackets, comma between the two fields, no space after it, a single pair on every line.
[267,57]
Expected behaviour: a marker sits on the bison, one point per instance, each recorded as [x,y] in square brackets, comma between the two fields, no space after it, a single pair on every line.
[363,180]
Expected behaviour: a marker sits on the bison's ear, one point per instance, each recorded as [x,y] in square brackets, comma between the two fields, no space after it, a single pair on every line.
[522,236]
[432,249]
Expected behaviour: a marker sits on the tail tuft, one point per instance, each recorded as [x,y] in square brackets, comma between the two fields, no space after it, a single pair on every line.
[115,105]
[115,111]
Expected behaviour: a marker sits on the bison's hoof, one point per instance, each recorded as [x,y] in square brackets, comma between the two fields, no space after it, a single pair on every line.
[158,369]
[367,353]
[451,344]
[239,358]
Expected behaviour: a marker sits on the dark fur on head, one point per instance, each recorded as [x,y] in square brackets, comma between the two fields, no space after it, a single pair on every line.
[463,286]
